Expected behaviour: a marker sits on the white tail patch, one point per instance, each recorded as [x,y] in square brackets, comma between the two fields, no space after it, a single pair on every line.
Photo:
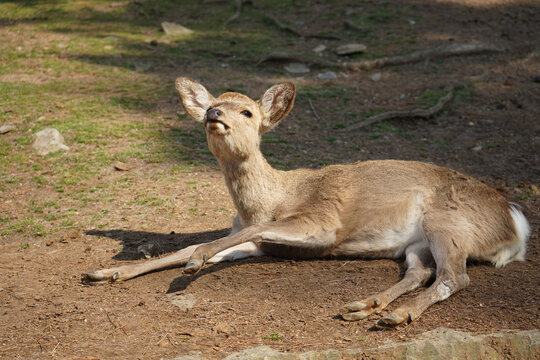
[516,250]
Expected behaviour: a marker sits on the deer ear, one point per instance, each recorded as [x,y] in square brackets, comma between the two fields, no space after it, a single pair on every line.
[195,98]
[276,104]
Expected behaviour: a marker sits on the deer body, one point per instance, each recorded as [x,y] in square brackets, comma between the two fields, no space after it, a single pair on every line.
[436,217]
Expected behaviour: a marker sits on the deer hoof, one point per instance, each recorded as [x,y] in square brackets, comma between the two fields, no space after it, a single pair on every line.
[193,267]
[354,316]
[354,306]
[99,277]
[391,320]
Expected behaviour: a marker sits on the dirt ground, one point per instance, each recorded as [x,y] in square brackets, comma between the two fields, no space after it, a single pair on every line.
[491,131]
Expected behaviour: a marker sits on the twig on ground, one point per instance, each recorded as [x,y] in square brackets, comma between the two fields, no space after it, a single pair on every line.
[238,4]
[397,114]
[314,111]
[417,56]
[349,24]
[281,25]
[285,56]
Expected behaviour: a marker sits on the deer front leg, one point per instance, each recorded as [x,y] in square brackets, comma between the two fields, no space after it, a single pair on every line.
[126,272]
[296,232]
[418,259]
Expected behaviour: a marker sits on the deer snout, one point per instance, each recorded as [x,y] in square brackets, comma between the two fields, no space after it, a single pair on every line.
[213,114]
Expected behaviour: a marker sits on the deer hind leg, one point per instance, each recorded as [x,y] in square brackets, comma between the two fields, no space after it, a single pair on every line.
[179,258]
[419,270]
[451,276]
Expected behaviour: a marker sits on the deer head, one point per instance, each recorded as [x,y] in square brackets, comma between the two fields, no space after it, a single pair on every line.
[233,122]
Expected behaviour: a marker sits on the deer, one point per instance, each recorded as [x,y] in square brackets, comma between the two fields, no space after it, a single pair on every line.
[433,217]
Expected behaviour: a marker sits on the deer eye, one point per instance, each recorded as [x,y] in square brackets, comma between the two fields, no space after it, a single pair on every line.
[246,113]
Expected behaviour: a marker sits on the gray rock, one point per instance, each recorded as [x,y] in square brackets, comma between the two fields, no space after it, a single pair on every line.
[329,75]
[260,352]
[349,49]
[113,38]
[297,68]
[6,127]
[47,141]
[438,344]
[183,301]
[171,28]
[376,77]
[319,48]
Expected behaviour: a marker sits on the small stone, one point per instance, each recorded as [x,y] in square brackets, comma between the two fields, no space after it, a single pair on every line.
[470,123]
[297,68]
[171,28]
[349,49]
[108,47]
[61,45]
[329,75]
[120,166]
[183,301]
[6,127]
[477,148]
[222,328]
[535,190]
[411,22]
[47,141]
[113,38]
[319,48]
[376,77]
[536,79]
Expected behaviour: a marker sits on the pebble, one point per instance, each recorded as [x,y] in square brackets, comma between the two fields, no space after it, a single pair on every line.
[477,148]
[297,68]
[329,75]
[108,47]
[183,301]
[376,77]
[349,49]
[319,48]
[47,141]
[171,28]
[113,38]
[120,166]
[6,127]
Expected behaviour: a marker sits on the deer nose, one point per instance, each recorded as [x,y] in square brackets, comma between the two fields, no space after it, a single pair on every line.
[213,114]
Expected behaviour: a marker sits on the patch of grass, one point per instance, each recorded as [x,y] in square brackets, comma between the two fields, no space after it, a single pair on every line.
[24,246]
[275,336]
[29,226]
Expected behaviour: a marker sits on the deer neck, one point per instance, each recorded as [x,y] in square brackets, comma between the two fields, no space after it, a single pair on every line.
[254,187]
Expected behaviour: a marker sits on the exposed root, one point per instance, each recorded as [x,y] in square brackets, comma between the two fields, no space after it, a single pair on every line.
[238,5]
[396,114]
[417,56]
[350,25]
[286,56]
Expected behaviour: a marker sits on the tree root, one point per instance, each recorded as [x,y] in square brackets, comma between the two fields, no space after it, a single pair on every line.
[417,56]
[397,114]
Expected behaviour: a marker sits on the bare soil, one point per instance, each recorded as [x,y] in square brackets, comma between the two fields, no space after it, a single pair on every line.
[47,312]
